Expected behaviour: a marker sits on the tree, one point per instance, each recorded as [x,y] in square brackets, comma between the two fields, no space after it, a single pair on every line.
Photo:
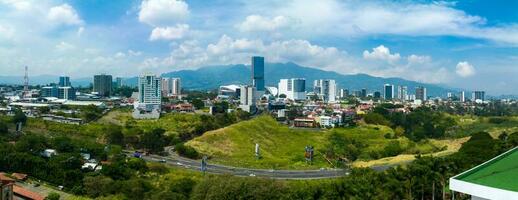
[63,144]
[19,116]
[114,135]
[53,196]
[186,151]
[198,104]
[96,186]
[154,141]
[3,128]
[376,118]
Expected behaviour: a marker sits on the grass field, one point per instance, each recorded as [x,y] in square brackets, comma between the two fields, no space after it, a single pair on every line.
[171,122]
[472,124]
[283,148]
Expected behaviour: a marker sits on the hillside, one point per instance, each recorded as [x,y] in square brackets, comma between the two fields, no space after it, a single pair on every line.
[283,147]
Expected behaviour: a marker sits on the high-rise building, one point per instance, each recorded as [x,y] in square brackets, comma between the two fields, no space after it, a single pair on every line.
[420,93]
[149,101]
[171,86]
[377,95]
[68,93]
[462,96]
[64,81]
[325,89]
[258,73]
[149,87]
[344,93]
[119,82]
[248,98]
[103,85]
[478,95]
[294,88]
[388,92]
[363,93]
[402,93]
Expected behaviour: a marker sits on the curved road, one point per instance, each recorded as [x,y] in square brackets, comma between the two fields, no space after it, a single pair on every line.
[177,161]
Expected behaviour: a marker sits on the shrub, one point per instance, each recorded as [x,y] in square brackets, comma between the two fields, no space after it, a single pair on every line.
[186,151]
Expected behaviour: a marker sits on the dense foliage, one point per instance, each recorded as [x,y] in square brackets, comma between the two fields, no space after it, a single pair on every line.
[421,123]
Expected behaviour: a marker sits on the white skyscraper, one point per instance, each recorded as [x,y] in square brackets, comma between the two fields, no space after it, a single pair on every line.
[325,89]
[402,93]
[462,96]
[149,102]
[171,86]
[294,89]
[149,87]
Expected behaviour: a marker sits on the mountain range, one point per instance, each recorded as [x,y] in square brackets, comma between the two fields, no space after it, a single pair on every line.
[211,77]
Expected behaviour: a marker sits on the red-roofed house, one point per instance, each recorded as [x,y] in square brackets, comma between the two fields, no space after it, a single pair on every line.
[26,194]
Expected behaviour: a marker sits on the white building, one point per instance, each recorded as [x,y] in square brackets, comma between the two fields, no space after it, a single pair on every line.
[149,101]
[325,89]
[294,88]
[462,96]
[229,91]
[248,98]
[149,87]
[402,93]
[171,87]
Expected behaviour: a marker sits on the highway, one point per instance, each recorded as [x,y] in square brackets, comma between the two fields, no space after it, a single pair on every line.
[176,161]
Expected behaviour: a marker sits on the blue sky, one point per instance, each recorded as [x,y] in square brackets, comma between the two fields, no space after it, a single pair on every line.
[470,44]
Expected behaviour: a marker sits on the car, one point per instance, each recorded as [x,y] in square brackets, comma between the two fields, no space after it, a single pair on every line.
[162,160]
[252,175]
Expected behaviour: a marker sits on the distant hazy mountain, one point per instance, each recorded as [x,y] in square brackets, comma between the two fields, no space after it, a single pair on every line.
[44,80]
[214,76]
[211,77]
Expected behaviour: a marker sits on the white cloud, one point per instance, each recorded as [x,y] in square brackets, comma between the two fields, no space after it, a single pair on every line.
[464,69]
[381,53]
[163,12]
[80,31]
[64,14]
[169,33]
[417,59]
[18,4]
[6,32]
[134,53]
[407,18]
[259,23]
[190,54]
[63,46]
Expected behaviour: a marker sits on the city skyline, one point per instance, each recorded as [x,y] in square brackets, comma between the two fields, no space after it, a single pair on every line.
[469,46]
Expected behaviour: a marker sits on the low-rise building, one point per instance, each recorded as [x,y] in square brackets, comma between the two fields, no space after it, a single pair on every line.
[304,122]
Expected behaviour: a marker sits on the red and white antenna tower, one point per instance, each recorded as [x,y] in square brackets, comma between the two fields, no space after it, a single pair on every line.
[26,82]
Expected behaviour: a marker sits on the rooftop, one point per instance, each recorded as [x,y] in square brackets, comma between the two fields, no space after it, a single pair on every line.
[494,179]
[500,172]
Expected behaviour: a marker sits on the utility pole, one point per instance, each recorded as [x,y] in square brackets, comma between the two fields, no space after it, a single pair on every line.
[257,151]
[203,167]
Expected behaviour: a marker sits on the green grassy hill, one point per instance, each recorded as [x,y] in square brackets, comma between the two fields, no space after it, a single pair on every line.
[283,147]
